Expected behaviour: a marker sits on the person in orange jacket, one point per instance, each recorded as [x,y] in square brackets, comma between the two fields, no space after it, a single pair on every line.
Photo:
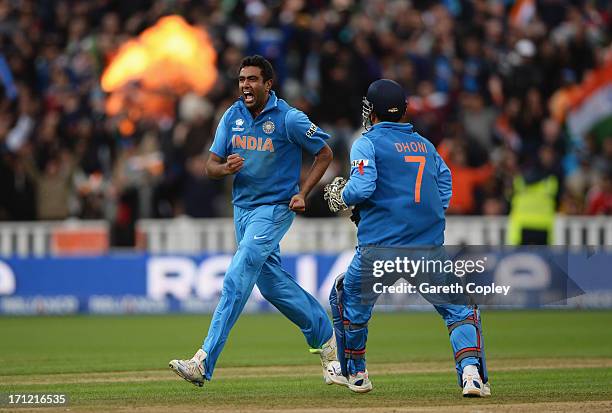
[465,178]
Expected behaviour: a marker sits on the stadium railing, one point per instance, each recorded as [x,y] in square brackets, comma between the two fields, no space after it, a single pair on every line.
[325,235]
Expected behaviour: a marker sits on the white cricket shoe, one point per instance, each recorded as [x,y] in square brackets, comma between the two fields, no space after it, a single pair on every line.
[360,382]
[332,372]
[191,370]
[472,383]
[486,390]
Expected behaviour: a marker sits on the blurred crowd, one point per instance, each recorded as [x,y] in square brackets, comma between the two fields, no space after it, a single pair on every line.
[480,82]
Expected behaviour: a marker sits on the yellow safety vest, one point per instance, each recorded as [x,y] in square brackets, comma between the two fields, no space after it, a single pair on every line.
[532,207]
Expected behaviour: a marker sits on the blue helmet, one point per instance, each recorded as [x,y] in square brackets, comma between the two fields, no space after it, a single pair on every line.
[386,98]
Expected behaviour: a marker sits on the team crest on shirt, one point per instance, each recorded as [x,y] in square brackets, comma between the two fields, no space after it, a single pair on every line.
[268,127]
[239,126]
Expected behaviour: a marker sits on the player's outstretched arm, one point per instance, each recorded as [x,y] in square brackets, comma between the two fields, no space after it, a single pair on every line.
[322,160]
[217,167]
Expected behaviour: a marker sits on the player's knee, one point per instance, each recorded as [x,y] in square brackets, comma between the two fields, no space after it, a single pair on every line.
[233,289]
[232,296]
[359,321]
[252,254]
[230,288]
[358,314]
[464,332]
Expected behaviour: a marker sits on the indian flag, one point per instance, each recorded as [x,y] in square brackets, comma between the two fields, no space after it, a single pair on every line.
[590,105]
[522,12]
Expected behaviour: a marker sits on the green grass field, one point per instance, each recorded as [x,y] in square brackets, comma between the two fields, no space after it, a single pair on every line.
[538,361]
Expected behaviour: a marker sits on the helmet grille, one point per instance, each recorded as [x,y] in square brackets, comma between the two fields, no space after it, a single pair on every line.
[366,110]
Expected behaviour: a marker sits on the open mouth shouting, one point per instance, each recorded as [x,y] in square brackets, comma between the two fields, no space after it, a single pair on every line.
[249,97]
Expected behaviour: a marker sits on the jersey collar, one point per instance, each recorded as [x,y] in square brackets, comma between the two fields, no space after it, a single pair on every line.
[407,127]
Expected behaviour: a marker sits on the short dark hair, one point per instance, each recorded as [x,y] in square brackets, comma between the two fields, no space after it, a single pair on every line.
[261,62]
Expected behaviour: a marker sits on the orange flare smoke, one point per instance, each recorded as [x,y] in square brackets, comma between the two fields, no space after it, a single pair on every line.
[171,55]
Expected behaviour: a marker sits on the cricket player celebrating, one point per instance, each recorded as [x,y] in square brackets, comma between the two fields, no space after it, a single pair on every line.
[401,187]
[259,140]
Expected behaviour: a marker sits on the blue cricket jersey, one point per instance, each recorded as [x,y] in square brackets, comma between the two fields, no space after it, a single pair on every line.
[401,185]
[271,145]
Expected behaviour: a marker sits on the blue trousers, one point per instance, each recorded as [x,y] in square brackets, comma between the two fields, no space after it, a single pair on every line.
[351,317]
[257,261]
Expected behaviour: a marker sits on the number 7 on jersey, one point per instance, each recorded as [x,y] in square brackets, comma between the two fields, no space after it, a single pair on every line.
[417,185]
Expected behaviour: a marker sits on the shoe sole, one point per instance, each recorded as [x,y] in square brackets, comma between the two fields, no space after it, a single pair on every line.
[473,393]
[180,374]
[476,392]
[339,382]
[360,389]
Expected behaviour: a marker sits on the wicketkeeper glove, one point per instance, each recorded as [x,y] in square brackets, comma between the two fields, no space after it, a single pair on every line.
[332,193]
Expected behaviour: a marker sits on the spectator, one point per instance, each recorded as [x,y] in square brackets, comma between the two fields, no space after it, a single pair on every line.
[466,179]
[477,119]
[53,185]
[599,198]
[459,62]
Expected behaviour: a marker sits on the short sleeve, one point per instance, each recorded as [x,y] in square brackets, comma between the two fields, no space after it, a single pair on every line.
[303,132]
[220,143]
